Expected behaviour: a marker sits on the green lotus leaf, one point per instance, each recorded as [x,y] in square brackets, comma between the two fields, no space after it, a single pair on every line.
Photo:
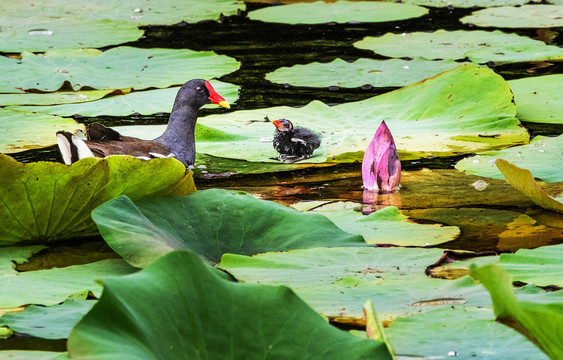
[32,355]
[542,324]
[42,33]
[52,286]
[378,73]
[538,98]
[143,102]
[339,12]
[120,67]
[542,156]
[51,322]
[525,16]
[338,281]
[211,222]
[9,256]
[465,110]
[541,266]
[61,97]
[136,12]
[477,46]
[189,310]
[464,3]
[523,181]
[23,131]
[46,202]
[385,226]
[469,332]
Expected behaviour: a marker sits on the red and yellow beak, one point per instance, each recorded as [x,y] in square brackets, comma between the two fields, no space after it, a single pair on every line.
[216,98]
[278,124]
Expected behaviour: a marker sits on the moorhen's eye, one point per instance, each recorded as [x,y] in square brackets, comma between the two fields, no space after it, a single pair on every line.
[199,89]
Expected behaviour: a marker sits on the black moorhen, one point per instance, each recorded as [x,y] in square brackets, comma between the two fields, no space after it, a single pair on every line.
[177,141]
[294,144]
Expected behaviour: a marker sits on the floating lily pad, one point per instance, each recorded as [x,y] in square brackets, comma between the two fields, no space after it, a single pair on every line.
[62,97]
[539,99]
[45,202]
[42,33]
[339,12]
[32,355]
[51,322]
[52,286]
[137,12]
[211,222]
[9,256]
[464,3]
[143,102]
[386,226]
[120,67]
[525,16]
[542,156]
[464,110]
[477,46]
[540,323]
[523,181]
[179,298]
[469,332]
[378,73]
[541,266]
[24,131]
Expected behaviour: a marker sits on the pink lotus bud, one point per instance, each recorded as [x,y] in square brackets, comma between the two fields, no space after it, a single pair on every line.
[381,168]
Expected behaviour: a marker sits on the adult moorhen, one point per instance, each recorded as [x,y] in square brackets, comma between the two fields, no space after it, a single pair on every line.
[294,144]
[178,140]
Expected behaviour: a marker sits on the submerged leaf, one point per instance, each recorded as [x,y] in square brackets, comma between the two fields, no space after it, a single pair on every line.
[525,16]
[381,167]
[542,324]
[189,310]
[45,202]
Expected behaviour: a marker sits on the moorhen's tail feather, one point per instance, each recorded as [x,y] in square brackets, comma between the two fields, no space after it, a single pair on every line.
[98,132]
[72,147]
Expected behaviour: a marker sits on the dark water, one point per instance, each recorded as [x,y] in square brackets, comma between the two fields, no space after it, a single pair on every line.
[263,47]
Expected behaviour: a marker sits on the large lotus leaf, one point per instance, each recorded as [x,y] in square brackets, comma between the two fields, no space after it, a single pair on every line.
[143,102]
[469,332]
[338,281]
[42,33]
[339,11]
[464,3]
[540,323]
[60,97]
[31,355]
[525,16]
[542,156]
[188,310]
[45,202]
[48,322]
[541,266]
[52,286]
[378,73]
[137,12]
[120,67]
[21,131]
[539,99]
[211,222]
[523,181]
[478,46]
[385,226]
[9,256]
[464,110]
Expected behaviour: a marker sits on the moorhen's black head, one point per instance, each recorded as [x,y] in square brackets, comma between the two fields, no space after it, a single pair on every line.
[198,92]
[283,124]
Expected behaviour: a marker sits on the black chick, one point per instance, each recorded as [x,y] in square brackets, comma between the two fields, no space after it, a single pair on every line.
[294,144]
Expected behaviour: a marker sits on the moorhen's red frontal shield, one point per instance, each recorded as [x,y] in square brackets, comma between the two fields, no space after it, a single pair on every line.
[215,97]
